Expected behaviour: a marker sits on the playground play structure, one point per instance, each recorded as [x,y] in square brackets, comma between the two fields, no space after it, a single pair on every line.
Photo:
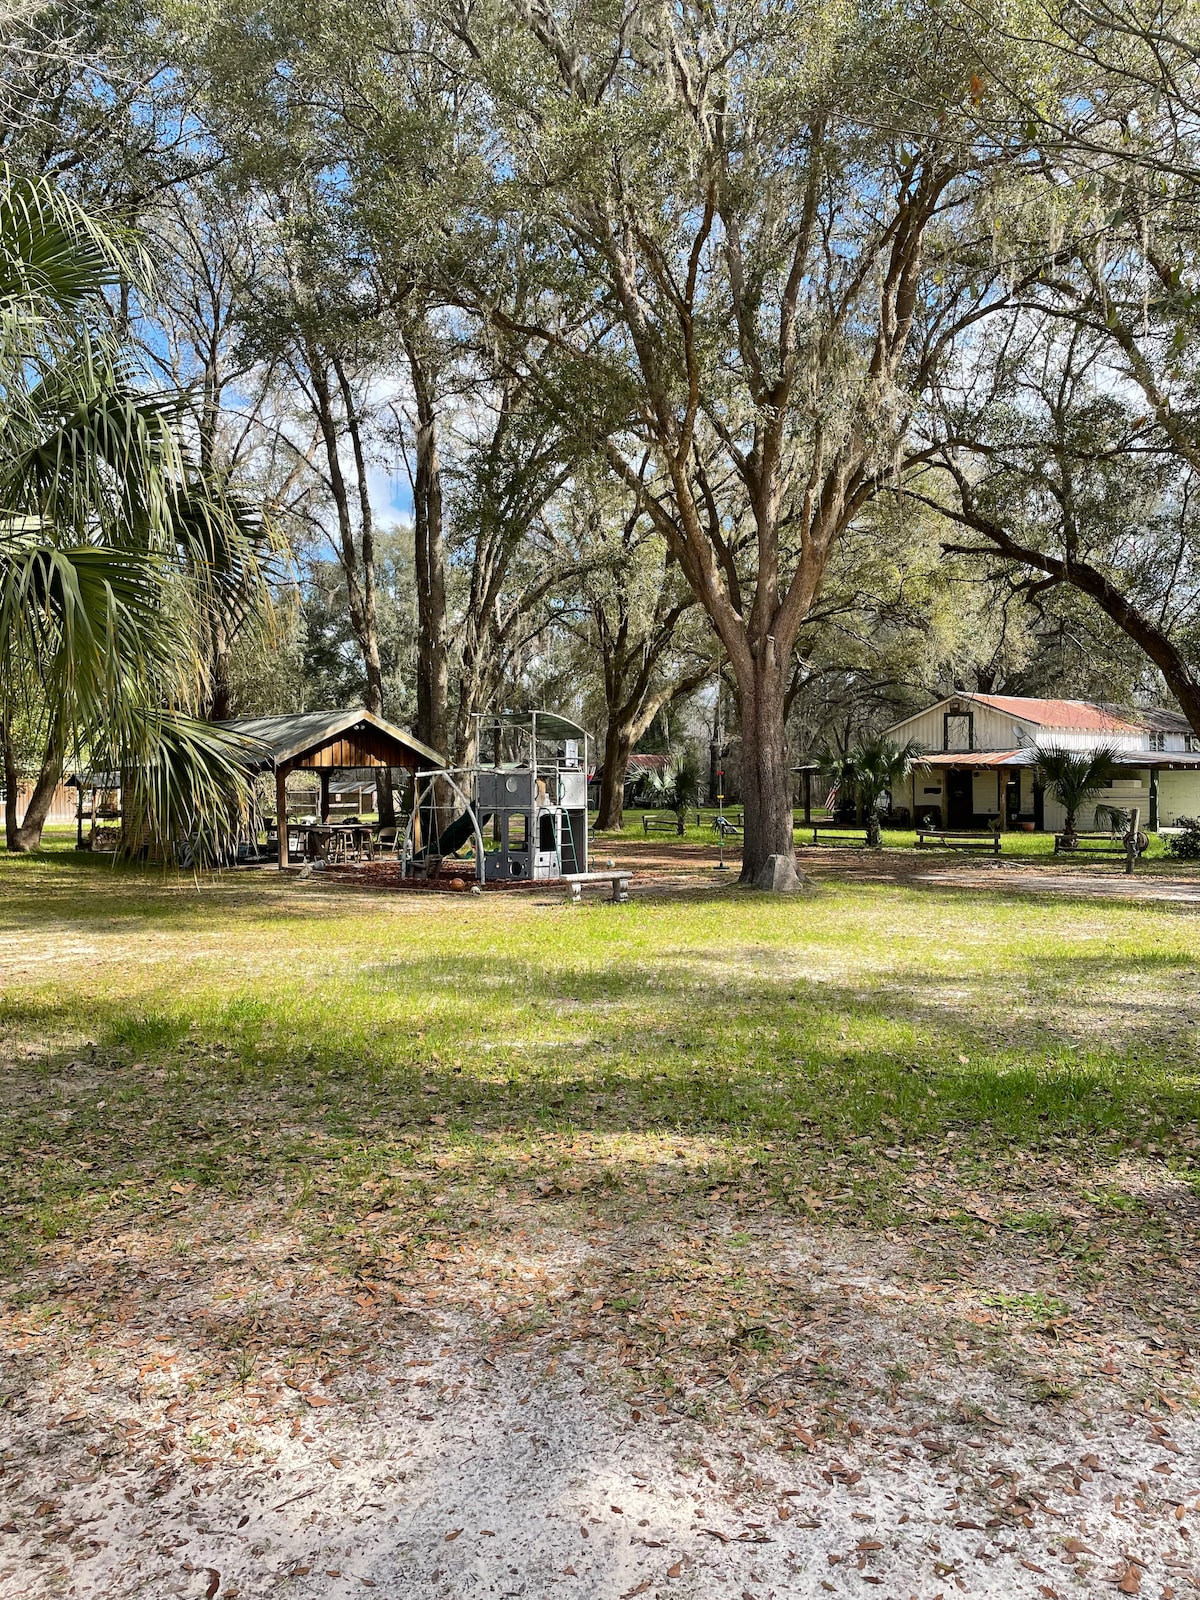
[528,785]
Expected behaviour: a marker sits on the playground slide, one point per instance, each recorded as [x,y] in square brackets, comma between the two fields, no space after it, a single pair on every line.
[458,833]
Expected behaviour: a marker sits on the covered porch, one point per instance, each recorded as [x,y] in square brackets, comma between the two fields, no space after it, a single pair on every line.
[325,744]
[983,788]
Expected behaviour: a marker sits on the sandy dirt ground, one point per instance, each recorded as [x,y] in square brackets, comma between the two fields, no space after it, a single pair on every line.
[427,1444]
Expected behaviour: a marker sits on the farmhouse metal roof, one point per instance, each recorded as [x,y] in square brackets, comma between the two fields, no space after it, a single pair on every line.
[1079,715]
[1028,755]
[977,758]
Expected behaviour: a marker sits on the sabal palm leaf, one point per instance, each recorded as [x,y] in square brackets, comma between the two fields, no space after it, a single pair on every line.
[1073,776]
[185,780]
[55,256]
[81,619]
[92,624]
[107,532]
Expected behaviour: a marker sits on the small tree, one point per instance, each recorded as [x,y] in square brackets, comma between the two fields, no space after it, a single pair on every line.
[869,773]
[678,785]
[1074,777]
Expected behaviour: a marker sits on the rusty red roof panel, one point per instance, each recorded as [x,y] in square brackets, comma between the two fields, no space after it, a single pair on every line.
[1079,715]
[977,758]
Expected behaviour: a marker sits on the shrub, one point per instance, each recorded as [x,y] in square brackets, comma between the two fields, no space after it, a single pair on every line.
[1185,846]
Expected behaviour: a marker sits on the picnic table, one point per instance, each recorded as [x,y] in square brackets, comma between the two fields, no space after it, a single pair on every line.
[339,841]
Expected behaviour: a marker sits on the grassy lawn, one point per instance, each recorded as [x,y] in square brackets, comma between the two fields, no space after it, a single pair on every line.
[601,1130]
[1016,844]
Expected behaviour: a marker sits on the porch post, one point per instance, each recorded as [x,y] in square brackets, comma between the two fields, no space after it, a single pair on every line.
[1153,823]
[281,812]
[324,776]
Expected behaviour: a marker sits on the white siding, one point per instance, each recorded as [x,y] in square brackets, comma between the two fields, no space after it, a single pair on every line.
[997,730]
[925,728]
[1178,796]
[992,729]
[1129,790]
[903,793]
[983,794]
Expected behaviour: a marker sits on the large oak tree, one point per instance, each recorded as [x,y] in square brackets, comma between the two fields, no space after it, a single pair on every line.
[753,194]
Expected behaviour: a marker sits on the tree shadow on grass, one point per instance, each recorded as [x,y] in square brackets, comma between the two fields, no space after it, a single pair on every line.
[266,1087]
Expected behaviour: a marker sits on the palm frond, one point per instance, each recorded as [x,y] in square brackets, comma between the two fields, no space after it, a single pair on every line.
[54,254]
[185,781]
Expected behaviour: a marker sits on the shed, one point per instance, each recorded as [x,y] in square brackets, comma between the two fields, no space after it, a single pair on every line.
[327,742]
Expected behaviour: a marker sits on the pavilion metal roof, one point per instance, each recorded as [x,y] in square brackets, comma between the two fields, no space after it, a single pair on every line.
[288,736]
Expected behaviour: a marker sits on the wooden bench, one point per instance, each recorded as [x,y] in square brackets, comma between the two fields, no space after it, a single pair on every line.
[960,839]
[619,877]
[660,822]
[831,832]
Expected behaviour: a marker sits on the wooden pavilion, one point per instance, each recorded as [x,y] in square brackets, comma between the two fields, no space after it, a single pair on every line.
[326,742]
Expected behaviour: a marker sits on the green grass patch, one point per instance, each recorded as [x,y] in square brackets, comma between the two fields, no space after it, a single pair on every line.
[869,1052]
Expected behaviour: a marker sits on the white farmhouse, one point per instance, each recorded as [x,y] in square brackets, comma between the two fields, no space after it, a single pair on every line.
[980,747]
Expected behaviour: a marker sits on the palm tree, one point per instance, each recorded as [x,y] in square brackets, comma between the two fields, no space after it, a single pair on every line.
[678,787]
[109,538]
[869,773]
[1074,777]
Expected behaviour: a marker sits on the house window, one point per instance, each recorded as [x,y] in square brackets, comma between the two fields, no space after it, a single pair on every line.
[1158,741]
[958,731]
[1192,743]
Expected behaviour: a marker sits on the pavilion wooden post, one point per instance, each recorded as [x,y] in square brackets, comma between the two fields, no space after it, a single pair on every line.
[808,797]
[325,776]
[281,809]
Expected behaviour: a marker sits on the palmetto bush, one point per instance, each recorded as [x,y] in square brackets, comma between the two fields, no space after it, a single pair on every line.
[869,773]
[109,538]
[1074,777]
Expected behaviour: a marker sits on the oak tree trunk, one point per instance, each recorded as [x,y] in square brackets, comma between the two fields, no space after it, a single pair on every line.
[433,656]
[766,772]
[618,745]
[26,836]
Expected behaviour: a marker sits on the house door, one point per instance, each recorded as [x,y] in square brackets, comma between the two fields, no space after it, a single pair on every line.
[960,803]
